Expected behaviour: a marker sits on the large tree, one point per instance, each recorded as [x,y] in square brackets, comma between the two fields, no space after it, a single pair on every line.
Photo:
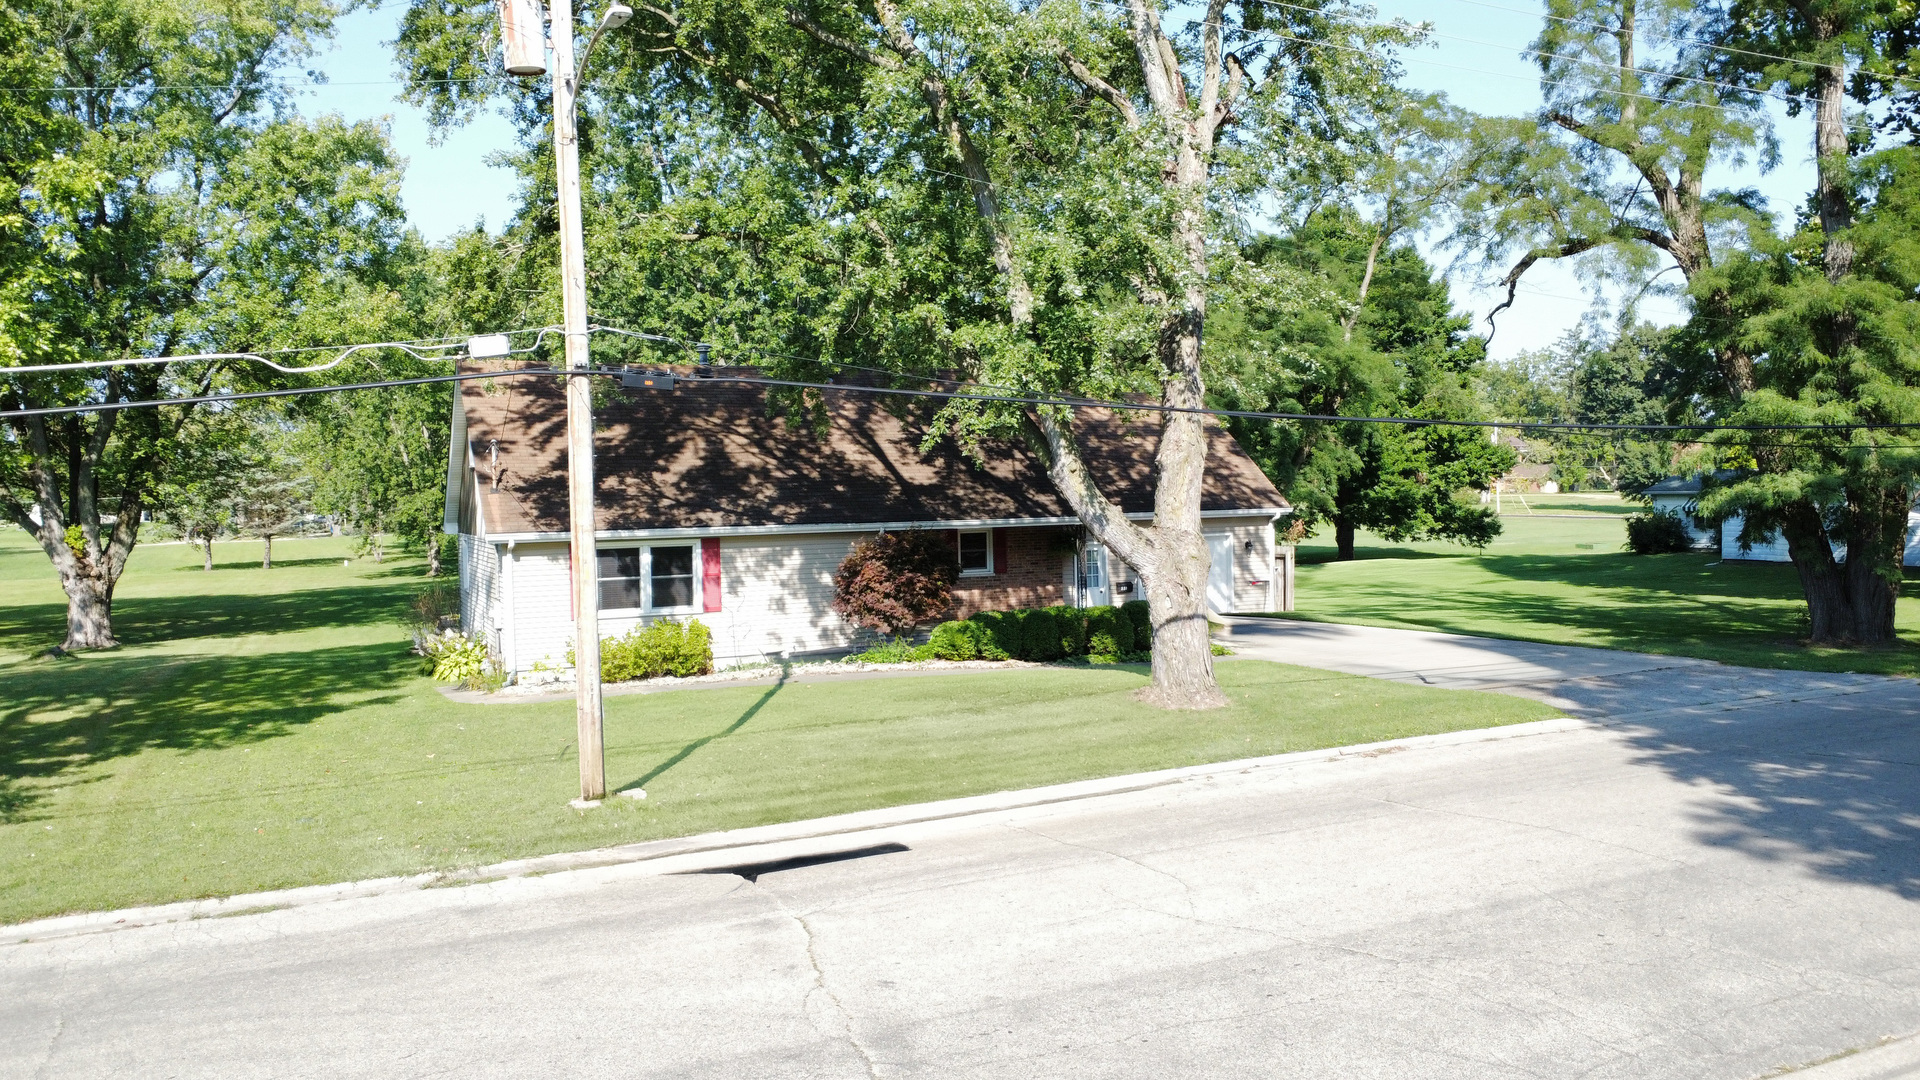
[1614,171]
[1827,310]
[160,198]
[1383,340]
[1035,195]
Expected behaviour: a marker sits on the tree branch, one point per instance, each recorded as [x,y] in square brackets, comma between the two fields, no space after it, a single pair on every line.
[1512,280]
[1085,76]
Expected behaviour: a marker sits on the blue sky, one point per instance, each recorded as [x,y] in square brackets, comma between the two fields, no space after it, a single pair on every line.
[1475,58]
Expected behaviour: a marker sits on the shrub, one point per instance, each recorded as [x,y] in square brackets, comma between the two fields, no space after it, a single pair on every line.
[1039,635]
[896,651]
[665,647]
[1140,615]
[957,640]
[452,657]
[1109,632]
[1071,624]
[999,635]
[896,581]
[1658,533]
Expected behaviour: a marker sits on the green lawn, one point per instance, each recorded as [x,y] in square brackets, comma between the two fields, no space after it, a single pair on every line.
[1567,580]
[263,729]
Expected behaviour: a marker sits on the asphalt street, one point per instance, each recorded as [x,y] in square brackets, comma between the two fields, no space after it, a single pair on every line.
[1716,876]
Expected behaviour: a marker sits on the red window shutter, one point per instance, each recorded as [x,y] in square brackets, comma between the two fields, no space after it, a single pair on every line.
[710,573]
[999,551]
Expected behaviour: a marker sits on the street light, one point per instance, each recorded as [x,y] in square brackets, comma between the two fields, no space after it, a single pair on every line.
[523,61]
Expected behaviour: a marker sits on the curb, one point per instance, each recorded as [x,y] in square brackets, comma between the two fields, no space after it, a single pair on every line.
[62,926]
[1893,1058]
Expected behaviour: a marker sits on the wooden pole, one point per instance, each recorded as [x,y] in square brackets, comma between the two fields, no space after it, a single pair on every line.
[573,288]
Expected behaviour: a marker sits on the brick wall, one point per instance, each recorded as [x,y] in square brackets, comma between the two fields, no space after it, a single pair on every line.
[1034,576]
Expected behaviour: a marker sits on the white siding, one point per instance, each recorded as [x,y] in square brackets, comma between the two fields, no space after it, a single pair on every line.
[542,611]
[1249,567]
[776,597]
[480,589]
[1685,506]
[1774,549]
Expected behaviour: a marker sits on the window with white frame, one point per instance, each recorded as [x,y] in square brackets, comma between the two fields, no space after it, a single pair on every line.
[656,577]
[976,551]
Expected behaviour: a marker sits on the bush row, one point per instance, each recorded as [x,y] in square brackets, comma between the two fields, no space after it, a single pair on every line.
[665,647]
[1050,633]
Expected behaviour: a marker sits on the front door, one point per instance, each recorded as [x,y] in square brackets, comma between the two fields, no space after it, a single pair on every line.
[1095,589]
[1220,573]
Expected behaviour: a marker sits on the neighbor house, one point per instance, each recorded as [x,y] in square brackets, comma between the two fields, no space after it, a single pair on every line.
[709,505]
[1681,495]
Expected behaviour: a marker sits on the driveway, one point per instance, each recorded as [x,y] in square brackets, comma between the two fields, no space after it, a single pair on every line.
[1716,877]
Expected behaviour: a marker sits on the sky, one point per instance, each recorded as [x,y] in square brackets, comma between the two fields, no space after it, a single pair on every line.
[1475,58]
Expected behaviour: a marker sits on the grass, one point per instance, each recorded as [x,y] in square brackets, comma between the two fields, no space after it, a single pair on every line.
[265,729]
[1567,581]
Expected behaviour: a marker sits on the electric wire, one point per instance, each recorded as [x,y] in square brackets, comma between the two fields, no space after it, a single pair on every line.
[1605,28]
[412,348]
[1589,61]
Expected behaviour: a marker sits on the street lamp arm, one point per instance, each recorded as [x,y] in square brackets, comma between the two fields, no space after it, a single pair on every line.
[616,16]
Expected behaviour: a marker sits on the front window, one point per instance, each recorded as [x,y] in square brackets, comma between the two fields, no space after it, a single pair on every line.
[620,578]
[672,577]
[976,553]
[658,578]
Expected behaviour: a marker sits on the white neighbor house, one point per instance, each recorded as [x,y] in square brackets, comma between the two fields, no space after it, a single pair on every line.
[1681,495]
[709,507]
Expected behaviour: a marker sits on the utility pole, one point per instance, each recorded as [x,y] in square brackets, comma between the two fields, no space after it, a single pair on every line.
[519,27]
[588,718]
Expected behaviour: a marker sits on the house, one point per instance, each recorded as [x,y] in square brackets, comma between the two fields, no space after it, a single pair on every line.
[708,505]
[1681,495]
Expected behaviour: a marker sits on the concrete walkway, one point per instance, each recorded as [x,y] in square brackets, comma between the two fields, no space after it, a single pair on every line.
[1597,684]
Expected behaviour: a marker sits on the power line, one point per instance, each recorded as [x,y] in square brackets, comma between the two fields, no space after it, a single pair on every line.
[1588,24]
[955,395]
[1546,55]
[412,348]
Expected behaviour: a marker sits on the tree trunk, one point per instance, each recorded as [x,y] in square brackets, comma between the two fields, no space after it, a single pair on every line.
[1182,648]
[433,555]
[1343,539]
[206,540]
[266,552]
[89,612]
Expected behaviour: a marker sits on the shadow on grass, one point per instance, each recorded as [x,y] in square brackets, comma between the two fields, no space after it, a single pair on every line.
[1828,784]
[687,751]
[60,716]
[144,619]
[1314,556]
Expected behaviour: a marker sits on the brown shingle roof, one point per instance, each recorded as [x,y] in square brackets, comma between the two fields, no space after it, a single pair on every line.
[709,455]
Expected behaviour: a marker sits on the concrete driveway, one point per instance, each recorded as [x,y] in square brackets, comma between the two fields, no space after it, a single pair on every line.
[1716,878]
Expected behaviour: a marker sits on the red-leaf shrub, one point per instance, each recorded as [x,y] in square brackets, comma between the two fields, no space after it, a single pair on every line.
[896,581]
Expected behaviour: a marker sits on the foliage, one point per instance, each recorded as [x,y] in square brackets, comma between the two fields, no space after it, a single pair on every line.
[896,581]
[452,656]
[1630,377]
[181,207]
[1140,613]
[660,648]
[1407,354]
[966,640]
[1109,632]
[1658,532]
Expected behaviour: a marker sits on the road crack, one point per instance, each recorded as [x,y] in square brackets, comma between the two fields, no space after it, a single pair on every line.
[844,1026]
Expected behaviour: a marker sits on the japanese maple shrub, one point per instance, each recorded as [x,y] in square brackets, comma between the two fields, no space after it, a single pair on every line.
[896,581]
